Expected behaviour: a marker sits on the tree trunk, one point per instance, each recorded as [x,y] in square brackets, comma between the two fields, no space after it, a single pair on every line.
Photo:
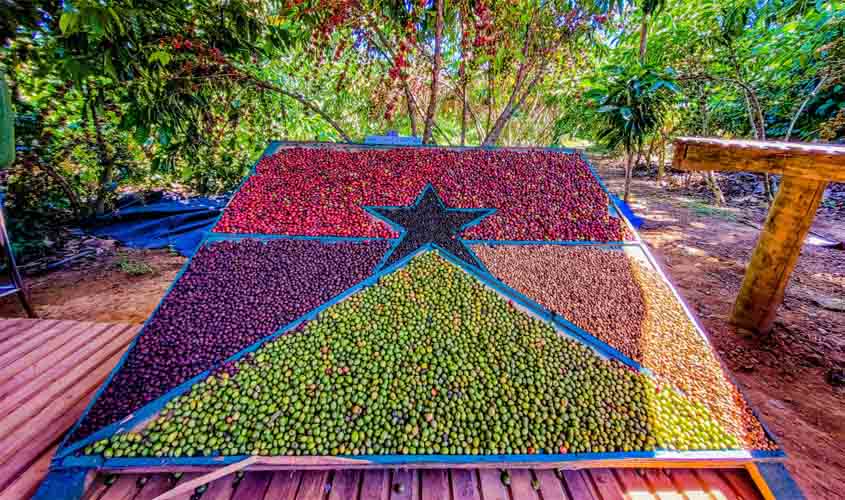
[713,184]
[629,167]
[511,107]
[106,174]
[409,99]
[305,102]
[661,160]
[643,37]
[801,108]
[435,73]
[464,106]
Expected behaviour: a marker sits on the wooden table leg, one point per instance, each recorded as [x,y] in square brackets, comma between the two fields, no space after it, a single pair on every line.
[777,250]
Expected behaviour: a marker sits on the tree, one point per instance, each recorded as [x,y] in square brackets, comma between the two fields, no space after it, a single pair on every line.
[633,104]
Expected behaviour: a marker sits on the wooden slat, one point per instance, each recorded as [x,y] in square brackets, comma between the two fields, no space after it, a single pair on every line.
[551,488]
[125,488]
[313,485]
[220,489]
[405,485]
[56,345]
[741,483]
[27,482]
[38,422]
[24,338]
[41,341]
[37,414]
[820,162]
[12,327]
[253,485]
[662,485]
[465,484]
[606,483]
[715,485]
[577,484]
[491,485]
[155,486]
[344,485]
[634,486]
[435,484]
[521,484]
[375,485]
[33,365]
[17,391]
[688,484]
[284,485]
[96,489]
[39,437]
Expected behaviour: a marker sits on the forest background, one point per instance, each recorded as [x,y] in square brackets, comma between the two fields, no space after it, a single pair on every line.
[110,96]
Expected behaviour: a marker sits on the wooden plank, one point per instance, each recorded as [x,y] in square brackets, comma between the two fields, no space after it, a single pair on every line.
[521,484]
[344,485]
[13,327]
[41,339]
[27,482]
[405,485]
[38,419]
[577,484]
[253,485]
[39,413]
[818,162]
[662,485]
[39,437]
[60,343]
[156,485]
[31,366]
[606,483]
[313,485]
[17,391]
[203,479]
[634,486]
[97,488]
[741,483]
[465,484]
[219,489]
[375,484]
[491,485]
[40,328]
[776,253]
[435,484]
[125,488]
[551,488]
[688,484]
[715,485]
[284,485]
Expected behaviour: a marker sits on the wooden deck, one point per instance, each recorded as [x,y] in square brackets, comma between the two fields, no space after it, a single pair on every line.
[50,369]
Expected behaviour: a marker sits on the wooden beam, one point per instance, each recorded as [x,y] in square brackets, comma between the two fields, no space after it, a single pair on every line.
[818,162]
[776,253]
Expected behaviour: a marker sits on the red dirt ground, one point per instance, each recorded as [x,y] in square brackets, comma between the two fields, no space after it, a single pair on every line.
[784,374]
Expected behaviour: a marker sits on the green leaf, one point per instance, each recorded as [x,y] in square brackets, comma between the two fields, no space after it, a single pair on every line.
[68,22]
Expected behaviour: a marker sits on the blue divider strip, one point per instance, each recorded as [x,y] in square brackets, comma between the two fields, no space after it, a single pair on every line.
[132,462]
[779,481]
[65,484]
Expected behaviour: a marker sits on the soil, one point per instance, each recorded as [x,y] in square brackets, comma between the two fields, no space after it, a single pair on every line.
[794,376]
[111,286]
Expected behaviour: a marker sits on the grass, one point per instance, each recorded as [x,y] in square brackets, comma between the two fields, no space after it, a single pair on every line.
[705,210]
[134,267]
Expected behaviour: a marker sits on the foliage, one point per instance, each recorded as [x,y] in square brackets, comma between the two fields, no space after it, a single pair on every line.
[633,105]
[152,93]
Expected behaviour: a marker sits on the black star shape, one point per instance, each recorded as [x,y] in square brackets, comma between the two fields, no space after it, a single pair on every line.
[428,222]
